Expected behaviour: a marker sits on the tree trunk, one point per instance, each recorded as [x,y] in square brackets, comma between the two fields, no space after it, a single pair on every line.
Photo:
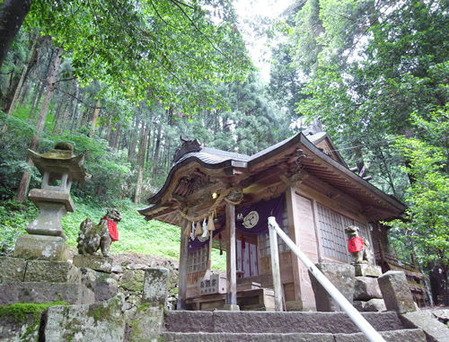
[157,148]
[12,14]
[141,161]
[36,99]
[75,108]
[25,181]
[62,118]
[95,117]
[85,117]
[108,131]
[42,85]
[24,92]
[25,71]
[115,136]
[133,140]
[10,89]
[387,171]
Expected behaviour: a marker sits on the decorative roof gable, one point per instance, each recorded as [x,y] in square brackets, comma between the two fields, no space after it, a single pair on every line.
[208,170]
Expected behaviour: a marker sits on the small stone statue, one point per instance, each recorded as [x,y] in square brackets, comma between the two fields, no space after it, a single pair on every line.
[357,246]
[92,237]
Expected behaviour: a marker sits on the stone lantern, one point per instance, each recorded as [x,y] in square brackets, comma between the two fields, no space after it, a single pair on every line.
[59,169]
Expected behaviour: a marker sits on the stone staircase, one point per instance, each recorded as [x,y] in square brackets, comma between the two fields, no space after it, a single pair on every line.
[222,326]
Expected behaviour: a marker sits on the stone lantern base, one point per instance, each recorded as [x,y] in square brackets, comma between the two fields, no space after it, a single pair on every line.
[43,247]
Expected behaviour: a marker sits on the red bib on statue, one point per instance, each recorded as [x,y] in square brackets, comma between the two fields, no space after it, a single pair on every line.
[355,244]
[112,226]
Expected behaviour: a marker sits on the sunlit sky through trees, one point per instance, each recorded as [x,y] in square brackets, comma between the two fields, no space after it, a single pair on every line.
[256,13]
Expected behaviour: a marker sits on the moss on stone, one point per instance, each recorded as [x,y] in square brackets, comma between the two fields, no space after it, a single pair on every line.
[98,312]
[146,323]
[102,277]
[18,311]
[132,280]
[27,315]
[101,312]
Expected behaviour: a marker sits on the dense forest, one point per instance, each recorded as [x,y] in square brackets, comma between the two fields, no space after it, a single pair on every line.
[123,80]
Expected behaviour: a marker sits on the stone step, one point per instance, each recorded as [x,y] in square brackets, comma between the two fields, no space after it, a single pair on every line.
[409,335]
[41,292]
[275,322]
[231,337]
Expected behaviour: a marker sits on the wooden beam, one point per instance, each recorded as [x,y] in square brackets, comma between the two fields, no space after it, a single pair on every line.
[204,194]
[292,224]
[231,297]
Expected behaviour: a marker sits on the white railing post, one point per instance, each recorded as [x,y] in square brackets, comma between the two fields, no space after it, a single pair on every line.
[275,271]
[352,312]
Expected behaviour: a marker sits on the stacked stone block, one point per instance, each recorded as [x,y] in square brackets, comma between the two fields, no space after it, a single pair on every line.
[41,281]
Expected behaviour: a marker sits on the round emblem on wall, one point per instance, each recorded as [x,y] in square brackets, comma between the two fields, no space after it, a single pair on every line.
[251,219]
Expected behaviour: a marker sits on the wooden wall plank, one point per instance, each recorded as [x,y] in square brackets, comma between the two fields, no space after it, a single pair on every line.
[307,242]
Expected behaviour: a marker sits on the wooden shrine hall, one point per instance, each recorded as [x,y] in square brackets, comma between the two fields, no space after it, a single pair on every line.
[302,181]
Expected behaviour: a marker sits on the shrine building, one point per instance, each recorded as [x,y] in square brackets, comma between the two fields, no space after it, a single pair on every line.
[303,182]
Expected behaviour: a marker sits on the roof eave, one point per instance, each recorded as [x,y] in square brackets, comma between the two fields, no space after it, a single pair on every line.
[225,165]
[352,176]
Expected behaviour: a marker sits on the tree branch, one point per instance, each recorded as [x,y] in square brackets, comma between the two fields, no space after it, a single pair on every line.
[77,98]
[177,4]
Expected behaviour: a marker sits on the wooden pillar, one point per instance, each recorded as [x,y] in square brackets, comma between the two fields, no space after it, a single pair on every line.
[182,280]
[231,259]
[316,219]
[209,253]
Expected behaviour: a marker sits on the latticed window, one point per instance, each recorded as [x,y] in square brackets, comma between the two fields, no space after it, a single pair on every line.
[197,260]
[333,237]
[264,239]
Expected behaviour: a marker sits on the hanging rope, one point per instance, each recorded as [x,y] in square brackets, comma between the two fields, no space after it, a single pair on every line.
[234,198]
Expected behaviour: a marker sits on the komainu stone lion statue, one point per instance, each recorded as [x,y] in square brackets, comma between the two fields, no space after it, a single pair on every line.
[357,246]
[92,237]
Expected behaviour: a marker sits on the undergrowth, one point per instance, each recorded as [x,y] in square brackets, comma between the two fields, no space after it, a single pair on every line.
[135,234]
[14,217]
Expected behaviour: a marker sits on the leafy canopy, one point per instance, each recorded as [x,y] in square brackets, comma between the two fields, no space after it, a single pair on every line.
[154,50]
[426,224]
[368,65]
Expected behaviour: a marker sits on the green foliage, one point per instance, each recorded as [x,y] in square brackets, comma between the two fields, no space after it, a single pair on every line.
[307,31]
[108,168]
[14,218]
[8,238]
[135,234]
[241,126]
[376,72]
[159,51]
[218,260]
[154,238]
[13,152]
[425,228]
[373,65]
[285,85]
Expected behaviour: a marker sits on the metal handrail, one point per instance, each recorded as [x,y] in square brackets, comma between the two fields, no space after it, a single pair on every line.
[352,312]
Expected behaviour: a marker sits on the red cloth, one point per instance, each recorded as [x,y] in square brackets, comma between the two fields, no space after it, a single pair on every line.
[355,244]
[112,226]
